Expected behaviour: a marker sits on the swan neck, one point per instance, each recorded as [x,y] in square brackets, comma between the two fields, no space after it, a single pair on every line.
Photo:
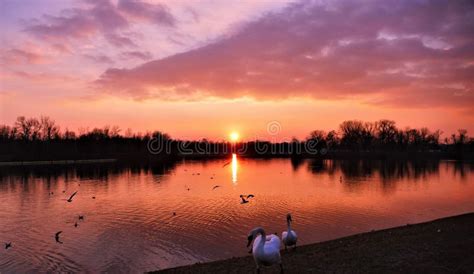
[263,238]
[289,225]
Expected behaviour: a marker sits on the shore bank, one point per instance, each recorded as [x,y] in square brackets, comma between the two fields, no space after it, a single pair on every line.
[440,246]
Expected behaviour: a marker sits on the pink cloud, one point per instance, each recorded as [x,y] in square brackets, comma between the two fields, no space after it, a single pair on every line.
[22,56]
[332,50]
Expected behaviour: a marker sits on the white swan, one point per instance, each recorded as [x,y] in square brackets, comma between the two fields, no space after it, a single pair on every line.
[289,237]
[265,249]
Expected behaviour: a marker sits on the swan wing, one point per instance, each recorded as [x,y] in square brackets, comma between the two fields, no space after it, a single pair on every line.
[274,241]
[284,234]
[270,254]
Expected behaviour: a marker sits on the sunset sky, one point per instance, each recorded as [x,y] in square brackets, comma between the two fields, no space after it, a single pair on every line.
[204,69]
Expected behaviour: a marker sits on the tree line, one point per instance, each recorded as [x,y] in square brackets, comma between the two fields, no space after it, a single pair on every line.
[42,139]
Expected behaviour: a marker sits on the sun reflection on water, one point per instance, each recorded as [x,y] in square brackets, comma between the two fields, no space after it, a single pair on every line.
[234,168]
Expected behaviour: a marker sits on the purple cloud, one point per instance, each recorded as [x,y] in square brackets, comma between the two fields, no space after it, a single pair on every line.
[404,52]
[144,56]
[98,18]
[155,13]
[100,58]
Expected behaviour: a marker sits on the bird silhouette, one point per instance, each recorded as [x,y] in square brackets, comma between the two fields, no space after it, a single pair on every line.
[75,225]
[226,164]
[56,236]
[250,196]
[72,196]
[81,217]
[243,200]
[174,213]
[216,186]
[8,245]
[93,197]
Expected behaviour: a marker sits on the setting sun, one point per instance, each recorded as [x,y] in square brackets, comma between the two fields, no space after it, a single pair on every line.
[234,136]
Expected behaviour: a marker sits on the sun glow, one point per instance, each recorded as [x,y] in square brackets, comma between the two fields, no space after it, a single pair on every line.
[234,136]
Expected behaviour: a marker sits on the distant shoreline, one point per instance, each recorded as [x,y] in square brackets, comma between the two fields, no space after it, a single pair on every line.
[56,162]
[439,246]
[160,159]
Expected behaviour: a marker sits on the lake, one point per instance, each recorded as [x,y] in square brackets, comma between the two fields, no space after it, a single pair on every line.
[147,218]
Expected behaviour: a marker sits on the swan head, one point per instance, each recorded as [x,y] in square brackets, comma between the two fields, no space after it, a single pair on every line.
[253,234]
[288,217]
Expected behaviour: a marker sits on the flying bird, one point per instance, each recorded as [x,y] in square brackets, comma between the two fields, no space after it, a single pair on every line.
[216,186]
[243,200]
[72,196]
[8,245]
[56,236]
[81,217]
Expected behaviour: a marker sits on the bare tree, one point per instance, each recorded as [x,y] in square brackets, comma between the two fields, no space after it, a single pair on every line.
[28,129]
[49,128]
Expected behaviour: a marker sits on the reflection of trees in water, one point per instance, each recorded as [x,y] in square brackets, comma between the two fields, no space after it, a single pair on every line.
[356,172]
[296,163]
[462,168]
[388,170]
[51,175]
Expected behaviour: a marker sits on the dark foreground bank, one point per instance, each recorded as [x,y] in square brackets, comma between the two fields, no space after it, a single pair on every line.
[440,246]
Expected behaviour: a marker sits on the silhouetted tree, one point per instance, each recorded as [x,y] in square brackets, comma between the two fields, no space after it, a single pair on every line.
[49,128]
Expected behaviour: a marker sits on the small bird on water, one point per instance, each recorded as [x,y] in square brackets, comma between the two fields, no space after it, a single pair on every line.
[81,217]
[56,236]
[8,245]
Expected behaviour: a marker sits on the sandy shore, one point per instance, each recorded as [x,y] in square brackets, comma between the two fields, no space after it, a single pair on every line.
[440,246]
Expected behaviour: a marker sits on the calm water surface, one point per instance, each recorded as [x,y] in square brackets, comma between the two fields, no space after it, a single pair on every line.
[130,226]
